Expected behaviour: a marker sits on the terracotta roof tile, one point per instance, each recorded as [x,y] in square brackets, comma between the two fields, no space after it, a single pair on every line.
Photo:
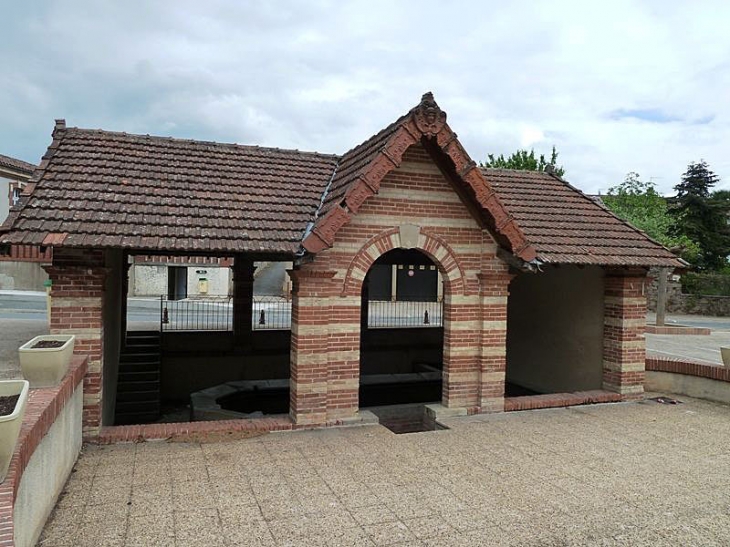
[110,189]
[138,192]
[568,227]
[14,164]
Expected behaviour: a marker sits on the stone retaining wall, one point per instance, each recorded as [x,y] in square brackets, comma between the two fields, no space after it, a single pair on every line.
[687,304]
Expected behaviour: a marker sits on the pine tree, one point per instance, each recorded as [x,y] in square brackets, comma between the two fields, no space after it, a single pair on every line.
[702,217]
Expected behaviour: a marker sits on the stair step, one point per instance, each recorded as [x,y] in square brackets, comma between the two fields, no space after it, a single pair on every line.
[145,385]
[135,368]
[146,376]
[141,348]
[134,418]
[148,397]
[139,357]
[126,407]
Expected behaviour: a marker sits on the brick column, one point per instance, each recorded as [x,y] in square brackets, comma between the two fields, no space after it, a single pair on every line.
[461,352]
[624,350]
[77,293]
[343,360]
[311,293]
[494,292]
[243,270]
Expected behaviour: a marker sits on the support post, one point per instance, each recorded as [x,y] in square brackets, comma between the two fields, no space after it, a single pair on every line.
[494,294]
[308,383]
[624,349]
[243,270]
[393,282]
[661,297]
[78,286]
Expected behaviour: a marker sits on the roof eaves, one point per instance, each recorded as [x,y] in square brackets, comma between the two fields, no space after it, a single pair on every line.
[310,224]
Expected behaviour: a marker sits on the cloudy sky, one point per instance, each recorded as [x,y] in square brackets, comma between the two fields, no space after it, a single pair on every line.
[617,86]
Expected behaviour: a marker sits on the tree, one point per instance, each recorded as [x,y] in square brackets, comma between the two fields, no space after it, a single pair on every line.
[526,161]
[702,216]
[638,203]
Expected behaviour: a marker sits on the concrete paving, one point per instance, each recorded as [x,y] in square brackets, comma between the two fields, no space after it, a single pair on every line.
[608,475]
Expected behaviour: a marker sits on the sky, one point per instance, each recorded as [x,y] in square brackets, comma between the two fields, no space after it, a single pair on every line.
[616,86]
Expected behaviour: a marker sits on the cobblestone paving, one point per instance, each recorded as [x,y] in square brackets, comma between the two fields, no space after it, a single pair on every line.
[609,475]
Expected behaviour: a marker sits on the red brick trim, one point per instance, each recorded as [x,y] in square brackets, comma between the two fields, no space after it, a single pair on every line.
[450,266]
[677,329]
[558,400]
[412,130]
[43,407]
[712,372]
[184,430]
[28,253]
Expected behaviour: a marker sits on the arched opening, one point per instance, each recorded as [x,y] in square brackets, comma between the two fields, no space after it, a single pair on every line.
[401,339]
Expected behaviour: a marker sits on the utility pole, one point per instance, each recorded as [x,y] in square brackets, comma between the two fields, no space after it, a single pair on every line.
[661,297]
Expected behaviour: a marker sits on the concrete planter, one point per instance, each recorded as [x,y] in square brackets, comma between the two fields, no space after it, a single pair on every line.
[725,352]
[46,367]
[10,424]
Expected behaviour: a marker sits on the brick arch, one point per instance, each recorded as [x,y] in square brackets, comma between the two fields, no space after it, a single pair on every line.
[429,244]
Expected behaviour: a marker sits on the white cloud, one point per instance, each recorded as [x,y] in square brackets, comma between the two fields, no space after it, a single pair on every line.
[326,75]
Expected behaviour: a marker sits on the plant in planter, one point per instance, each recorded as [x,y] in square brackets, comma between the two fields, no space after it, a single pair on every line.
[13,396]
[44,360]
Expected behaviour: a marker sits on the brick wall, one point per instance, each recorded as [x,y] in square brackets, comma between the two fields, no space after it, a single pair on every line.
[624,350]
[415,207]
[77,292]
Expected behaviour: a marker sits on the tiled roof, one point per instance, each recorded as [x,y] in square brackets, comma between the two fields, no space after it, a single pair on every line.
[103,189]
[568,227]
[14,164]
[354,162]
[131,191]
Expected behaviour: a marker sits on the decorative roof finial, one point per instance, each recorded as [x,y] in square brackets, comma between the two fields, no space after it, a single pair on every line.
[429,118]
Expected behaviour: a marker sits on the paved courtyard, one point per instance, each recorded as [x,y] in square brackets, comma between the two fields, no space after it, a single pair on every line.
[623,474]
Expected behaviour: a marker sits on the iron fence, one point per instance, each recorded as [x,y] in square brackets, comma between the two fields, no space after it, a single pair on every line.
[271,313]
[404,314]
[274,313]
[212,313]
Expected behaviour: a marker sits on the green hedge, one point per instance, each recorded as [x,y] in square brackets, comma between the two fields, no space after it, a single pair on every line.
[706,284]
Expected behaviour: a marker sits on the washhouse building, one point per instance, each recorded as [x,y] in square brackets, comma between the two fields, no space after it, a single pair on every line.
[532,292]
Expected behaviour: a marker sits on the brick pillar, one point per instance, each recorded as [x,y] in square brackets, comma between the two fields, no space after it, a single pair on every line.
[343,360]
[77,293]
[311,293]
[624,324]
[243,270]
[494,292]
[461,352]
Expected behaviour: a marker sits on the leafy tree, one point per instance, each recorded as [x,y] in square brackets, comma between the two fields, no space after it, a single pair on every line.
[702,216]
[638,203]
[526,161]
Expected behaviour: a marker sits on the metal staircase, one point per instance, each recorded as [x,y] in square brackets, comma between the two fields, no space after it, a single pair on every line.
[138,383]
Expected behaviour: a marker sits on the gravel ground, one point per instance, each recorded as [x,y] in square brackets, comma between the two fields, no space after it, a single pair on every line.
[641,474]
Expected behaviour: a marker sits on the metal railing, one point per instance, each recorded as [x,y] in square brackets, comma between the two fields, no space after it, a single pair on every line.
[274,313]
[271,313]
[216,313]
[404,314]
[212,313]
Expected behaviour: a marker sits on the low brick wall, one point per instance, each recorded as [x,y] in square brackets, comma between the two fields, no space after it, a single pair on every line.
[49,442]
[711,382]
[678,330]
[557,400]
